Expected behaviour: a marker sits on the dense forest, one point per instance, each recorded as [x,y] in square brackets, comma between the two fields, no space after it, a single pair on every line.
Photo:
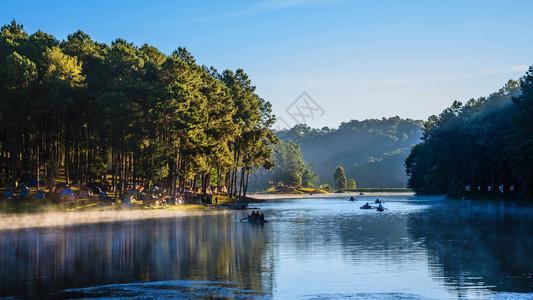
[485,145]
[371,151]
[132,112]
[290,169]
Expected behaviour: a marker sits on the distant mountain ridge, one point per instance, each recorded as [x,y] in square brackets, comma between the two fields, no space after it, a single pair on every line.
[371,151]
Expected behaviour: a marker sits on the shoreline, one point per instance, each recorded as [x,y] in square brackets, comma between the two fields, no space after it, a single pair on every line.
[33,220]
[331,195]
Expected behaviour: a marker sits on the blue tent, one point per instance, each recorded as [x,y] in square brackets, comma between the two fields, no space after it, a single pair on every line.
[67,192]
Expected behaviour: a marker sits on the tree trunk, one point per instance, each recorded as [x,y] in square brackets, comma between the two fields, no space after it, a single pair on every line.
[38,173]
[194,183]
[218,179]
[241,184]
[115,175]
[13,171]
[246,184]
[66,164]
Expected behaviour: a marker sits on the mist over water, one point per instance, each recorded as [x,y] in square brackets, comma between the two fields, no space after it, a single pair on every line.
[326,248]
[53,219]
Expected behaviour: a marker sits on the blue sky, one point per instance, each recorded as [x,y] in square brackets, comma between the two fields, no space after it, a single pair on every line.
[356,59]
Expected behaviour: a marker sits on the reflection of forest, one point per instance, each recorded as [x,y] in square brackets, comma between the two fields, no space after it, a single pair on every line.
[209,248]
[366,236]
[479,243]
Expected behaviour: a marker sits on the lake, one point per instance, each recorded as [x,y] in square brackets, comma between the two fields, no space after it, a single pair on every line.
[315,248]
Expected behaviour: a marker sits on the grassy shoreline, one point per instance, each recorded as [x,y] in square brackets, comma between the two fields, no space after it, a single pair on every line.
[30,205]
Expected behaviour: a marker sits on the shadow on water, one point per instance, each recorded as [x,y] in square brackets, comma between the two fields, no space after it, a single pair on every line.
[37,262]
[312,249]
[478,244]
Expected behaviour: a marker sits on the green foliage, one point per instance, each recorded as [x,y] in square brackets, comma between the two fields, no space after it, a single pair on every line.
[289,169]
[309,178]
[289,164]
[373,151]
[134,112]
[351,184]
[339,178]
[484,143]
[522,150]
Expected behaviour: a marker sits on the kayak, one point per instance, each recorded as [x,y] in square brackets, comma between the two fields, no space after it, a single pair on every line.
[380,209]
[256,220]
[365,207]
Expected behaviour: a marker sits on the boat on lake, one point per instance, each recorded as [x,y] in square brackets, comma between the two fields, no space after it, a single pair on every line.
[256,220]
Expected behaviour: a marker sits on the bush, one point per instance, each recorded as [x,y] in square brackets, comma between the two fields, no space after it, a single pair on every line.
[351,184]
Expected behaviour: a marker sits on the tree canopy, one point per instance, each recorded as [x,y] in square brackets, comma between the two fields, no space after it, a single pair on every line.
[484,145]
[371,151]
[339,178]
[133,112]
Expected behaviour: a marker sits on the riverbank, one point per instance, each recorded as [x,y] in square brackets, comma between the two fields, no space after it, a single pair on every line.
[30,205]
[40,213]
[330,195]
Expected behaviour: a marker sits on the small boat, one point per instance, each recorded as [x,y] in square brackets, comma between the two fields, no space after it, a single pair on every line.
[256,220]
[377,201]
[366,207]
[380,209]
[352,199]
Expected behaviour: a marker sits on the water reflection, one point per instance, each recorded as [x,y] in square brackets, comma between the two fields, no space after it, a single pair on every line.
[312,248]
[36,262]
[478,245]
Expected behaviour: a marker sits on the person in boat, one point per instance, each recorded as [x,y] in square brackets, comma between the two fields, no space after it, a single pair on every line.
[366,205]
[378,201]
[380,206]
[351,198]
[262,217]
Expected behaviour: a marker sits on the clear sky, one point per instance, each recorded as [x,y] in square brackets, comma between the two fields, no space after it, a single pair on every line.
[355,59]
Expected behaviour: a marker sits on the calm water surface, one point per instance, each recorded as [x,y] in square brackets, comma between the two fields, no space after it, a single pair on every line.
[321,248]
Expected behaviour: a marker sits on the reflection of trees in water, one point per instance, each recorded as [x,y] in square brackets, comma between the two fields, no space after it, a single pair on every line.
[373,237]
[487,243]
[211,248]
[366,236]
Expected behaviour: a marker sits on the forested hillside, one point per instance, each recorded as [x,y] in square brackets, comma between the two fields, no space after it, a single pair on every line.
[371,151]
[128,111]
[485,145]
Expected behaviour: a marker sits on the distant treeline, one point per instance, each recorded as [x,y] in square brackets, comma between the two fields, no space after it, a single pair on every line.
[485,145]
[91,108]
[372,152]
